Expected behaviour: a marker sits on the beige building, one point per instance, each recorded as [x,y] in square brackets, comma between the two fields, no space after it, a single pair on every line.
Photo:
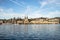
[55,21]
[1,22]
[19,22]
[48,21]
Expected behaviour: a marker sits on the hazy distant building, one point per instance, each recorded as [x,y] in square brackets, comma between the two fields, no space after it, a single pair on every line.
[1,22]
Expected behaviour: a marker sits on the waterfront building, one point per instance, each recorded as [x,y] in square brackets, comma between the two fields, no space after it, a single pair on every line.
[19,22]
[1,22]
[32,21]
[46,21]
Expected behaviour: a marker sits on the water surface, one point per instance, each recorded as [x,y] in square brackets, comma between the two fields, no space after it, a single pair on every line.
[30,32]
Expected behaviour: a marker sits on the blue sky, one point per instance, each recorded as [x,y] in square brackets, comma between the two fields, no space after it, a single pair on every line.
[30,8]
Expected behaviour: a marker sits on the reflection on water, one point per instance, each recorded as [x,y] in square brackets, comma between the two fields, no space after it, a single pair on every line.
[30,32]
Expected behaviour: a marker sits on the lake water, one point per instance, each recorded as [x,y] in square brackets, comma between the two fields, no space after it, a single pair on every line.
[30,32]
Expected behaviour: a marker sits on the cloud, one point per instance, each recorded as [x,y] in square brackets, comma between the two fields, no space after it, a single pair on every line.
[49,2]
[9,13]
[9,10]
[53,14]
[1,10]
[35,14]
[12,15]
[19,4]
[43,4]
[53,1]
[44,13]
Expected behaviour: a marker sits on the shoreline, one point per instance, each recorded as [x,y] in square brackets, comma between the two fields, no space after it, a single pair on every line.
[30,23]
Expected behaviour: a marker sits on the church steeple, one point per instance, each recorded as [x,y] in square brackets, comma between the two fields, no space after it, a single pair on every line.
[26,20]
[26,17]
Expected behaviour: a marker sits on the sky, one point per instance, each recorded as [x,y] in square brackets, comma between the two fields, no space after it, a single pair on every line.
[30,8]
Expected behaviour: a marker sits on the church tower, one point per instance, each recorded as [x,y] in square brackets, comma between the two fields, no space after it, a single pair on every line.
[26,21]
